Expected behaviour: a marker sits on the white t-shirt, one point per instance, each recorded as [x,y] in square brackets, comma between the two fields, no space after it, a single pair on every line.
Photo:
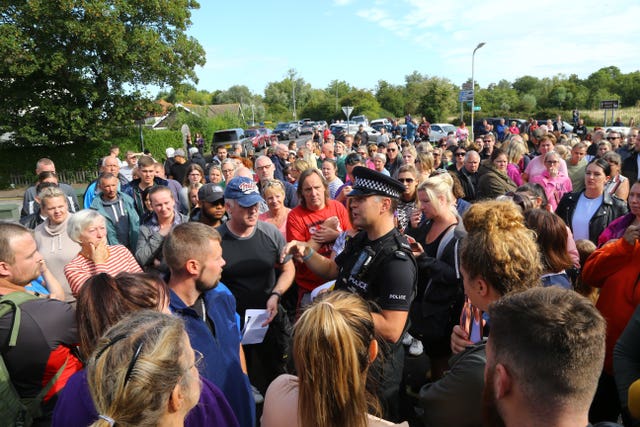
[585,209]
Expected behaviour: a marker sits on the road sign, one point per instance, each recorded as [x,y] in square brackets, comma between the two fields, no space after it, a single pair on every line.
[476,108]
[347,111]
[465,95]
[608,105]
[467,86]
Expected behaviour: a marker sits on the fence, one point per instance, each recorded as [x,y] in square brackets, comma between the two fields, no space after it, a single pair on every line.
[68,177]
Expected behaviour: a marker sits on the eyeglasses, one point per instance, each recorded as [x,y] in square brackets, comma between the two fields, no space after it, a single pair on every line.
[460,154]
[552,162]
[487,140]
[263,167]
[610,138]
[392,149]
[198,358]
[408,180]
[436,154]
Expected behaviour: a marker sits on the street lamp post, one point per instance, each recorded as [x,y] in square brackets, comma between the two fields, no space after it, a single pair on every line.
[473,86]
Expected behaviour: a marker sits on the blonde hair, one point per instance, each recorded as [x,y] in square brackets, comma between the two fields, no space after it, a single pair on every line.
[439,185]
[499,248]
[50,193]
[515,150]
[135,367]
[331,355]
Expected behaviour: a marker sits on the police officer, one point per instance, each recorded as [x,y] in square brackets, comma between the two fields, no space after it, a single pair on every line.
[377,264]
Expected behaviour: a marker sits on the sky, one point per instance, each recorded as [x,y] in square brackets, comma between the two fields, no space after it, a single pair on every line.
[252,43]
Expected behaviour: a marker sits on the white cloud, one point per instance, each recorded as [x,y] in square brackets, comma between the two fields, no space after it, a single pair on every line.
[539,38]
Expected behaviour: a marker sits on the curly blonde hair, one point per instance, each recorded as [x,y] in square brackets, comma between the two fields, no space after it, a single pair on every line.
[499,248]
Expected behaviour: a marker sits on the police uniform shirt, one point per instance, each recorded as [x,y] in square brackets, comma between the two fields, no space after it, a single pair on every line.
[390,276]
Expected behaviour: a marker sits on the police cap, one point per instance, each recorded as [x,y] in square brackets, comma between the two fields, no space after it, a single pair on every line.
[369,182]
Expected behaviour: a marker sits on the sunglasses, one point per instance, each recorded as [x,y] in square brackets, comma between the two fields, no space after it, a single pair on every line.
[460,154]
[611,138]
[408,180]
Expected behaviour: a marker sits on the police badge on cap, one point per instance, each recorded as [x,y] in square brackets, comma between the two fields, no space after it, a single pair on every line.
[369,182]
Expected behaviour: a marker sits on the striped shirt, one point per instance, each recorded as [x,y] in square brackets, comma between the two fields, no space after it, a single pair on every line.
[81,268]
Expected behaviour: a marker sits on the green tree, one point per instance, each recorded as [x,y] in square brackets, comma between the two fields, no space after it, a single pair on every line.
[439,99]
[363,102]
[74,69]
[391,98]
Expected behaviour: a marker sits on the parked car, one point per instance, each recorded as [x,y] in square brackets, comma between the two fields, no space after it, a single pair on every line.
[260,137]
[440,130]
[378,126]
[286,131]
[321,124]
[339,130]
[307,128]
[568,127]
[622,130]
[226,137]
[361,119]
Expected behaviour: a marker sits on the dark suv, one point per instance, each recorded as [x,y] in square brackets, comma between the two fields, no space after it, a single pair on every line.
[286,131]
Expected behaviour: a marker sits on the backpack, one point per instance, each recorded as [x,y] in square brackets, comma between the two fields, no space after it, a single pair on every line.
[14,410]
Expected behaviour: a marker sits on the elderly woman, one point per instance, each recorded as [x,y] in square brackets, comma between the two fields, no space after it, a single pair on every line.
[228,168]
[88,228]
[273,193]
[554,183]
[379,160]
[54,244]
[618,184]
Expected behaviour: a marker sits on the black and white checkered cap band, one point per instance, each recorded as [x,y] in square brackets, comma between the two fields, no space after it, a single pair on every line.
[377,186]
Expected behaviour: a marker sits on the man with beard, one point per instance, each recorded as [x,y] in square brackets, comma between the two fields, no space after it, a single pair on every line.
[38,345]
[544,355]
[212,210]
[194,256]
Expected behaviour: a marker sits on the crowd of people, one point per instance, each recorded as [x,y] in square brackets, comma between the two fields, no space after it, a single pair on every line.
[508,261]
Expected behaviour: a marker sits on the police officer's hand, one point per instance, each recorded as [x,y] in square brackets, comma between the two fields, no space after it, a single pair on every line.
[459,339]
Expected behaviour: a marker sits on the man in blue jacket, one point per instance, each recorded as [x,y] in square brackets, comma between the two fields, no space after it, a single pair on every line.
[194,256]
[123,222]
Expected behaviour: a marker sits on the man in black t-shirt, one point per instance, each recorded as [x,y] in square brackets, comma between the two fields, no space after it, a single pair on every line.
[252,249]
